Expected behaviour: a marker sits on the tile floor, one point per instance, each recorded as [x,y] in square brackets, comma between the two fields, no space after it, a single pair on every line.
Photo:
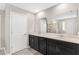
[27,51]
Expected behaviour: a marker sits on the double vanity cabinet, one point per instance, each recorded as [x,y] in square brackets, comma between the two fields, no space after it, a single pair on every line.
[48,46]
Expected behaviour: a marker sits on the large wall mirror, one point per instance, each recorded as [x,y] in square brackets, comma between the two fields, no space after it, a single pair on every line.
[65,23]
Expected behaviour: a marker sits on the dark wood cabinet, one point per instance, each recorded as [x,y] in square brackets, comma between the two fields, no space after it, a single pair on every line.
[33,42]
[42,45]
[55,47]
[38,43]
[49,46]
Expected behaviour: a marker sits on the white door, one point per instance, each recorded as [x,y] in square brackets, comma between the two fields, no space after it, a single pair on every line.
[19,37]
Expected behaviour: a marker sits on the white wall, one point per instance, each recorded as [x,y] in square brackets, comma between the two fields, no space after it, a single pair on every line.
[31,23]
[2,6]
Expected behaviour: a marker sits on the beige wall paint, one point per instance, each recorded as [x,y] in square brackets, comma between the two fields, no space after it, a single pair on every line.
[52,12]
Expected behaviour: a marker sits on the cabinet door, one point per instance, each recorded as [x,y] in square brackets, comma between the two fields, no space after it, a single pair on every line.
[35,43]
[58,50]
[51,47]
[54,48]
[42,45]
[66,48]
[31,41]
[66,51]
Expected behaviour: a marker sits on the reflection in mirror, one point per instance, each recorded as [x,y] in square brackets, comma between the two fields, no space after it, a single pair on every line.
[43,25]
[61,26]
[65,23]
[52,26]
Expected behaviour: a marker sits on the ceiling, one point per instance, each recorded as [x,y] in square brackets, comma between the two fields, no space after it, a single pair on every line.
[33,7]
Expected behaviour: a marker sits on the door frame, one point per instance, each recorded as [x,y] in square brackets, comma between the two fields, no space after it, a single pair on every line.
[2,29]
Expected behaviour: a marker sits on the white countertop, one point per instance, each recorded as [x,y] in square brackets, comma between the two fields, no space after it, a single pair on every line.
[62,37]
